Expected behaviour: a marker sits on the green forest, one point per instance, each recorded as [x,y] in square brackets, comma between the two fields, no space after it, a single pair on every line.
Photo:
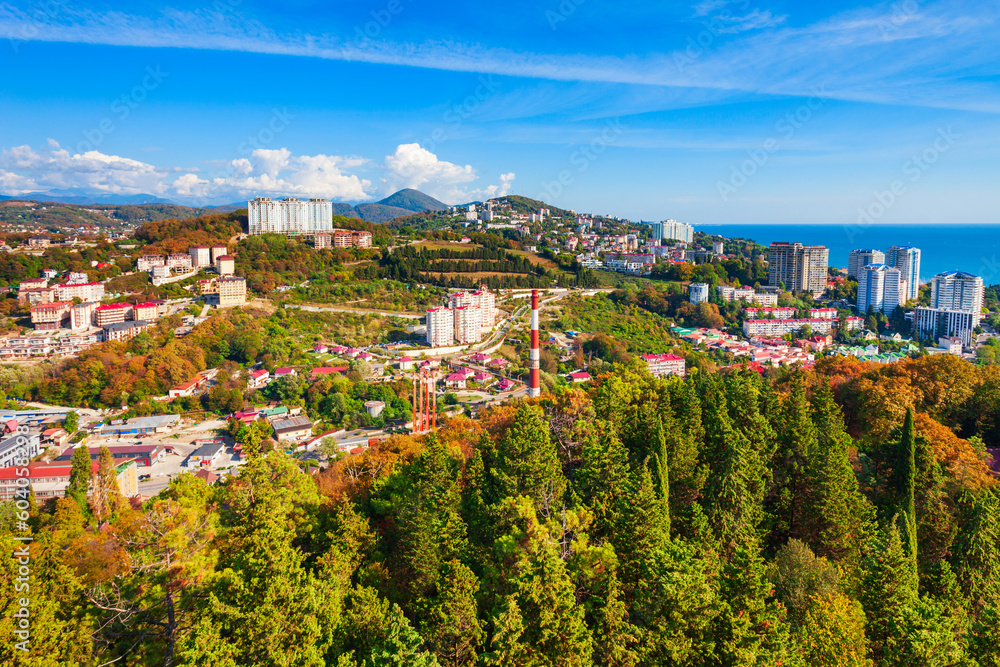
[843,515]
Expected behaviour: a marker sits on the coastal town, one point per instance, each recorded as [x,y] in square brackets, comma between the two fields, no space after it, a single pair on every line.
[459,353]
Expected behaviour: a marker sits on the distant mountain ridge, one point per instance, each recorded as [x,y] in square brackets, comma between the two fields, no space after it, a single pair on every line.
[83,198]
[405,202]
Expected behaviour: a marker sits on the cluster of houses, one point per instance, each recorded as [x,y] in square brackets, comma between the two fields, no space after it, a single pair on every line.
[163,267]
[49,479]
[760,350]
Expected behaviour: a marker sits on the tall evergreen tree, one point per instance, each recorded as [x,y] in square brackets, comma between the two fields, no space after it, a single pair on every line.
[841,521]
[80,476]
[905,480]
[107,497]
[888,590]
[524,462]
[452,627]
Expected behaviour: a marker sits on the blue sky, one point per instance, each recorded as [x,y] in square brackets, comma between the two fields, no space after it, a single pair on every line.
[714,112]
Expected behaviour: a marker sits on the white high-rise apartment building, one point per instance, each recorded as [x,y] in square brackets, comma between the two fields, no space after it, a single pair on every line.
[698,292]
[881,287]
[859,259]
[440,326]
[957,290]
[907,260]
[955,310]
[487,306]
[468,324]
[483,299]
[289,216]
[679,231]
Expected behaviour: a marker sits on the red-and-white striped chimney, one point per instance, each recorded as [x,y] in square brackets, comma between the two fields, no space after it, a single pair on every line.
[534,383]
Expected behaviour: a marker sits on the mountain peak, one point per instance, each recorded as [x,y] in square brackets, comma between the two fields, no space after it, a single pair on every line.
[413,200]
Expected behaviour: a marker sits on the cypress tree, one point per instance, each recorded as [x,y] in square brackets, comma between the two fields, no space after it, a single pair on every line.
[80,476]
[841,518]
[905,483]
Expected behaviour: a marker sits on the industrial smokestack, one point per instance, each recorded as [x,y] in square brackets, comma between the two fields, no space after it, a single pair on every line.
[534,383]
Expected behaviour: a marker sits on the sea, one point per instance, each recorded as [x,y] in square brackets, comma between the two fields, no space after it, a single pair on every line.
[953,247]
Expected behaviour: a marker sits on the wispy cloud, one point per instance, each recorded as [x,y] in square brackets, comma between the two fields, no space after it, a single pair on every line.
[853,52]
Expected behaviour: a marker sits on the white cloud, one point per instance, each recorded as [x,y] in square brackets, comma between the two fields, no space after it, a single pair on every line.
[413,166]
[265,172]
[189,185]
[279,172]
[57,168]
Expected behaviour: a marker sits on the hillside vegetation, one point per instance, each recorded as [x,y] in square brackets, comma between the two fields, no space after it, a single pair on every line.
[725,519]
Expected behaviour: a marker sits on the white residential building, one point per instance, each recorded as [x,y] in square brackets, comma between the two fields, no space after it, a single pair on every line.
[468,324]
[84,291]
[698,292]
[289,216]
[747,295]
[201,256]
[752,328]
[907,260]
[440,326]
[880,287]
[146,262]
[957,290]
[483,299]
[859,259]
[662,365]
[179,261]
[679,231]
[935,323]
[776,313]
[81,316]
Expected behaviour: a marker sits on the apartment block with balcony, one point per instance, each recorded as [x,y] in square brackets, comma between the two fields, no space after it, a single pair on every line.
[232,291]
[112,313]
[49,316]
[290,216]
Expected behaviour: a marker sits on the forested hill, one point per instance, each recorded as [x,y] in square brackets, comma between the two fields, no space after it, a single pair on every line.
[177,235]
[823,517]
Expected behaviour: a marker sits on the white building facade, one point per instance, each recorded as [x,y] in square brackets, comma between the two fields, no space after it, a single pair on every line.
[289,216]
[880,287]
[859,259]
[440,326]
[907,260]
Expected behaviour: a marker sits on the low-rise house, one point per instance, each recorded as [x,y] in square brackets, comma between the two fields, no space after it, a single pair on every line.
[54,437]
[143,455]
[580,376]
[187,388]
[206,455]
[662,365]
[328,370]
[283,372]
[258,378]
[455,381]
[293,428]
[207,476]
[139,425]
